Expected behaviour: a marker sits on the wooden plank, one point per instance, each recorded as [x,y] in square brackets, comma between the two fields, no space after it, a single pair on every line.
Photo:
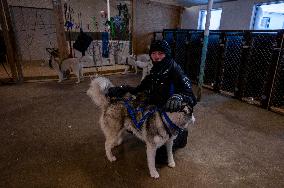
[278,110]
[10,41]
[134,27]
[60,32]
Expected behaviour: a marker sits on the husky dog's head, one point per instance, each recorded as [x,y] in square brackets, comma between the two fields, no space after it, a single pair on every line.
[103,83]
[183,118]
[98,89]
[52,60]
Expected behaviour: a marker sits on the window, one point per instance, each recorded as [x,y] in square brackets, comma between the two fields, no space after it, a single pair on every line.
[265,21]
[268,16]
[214,21]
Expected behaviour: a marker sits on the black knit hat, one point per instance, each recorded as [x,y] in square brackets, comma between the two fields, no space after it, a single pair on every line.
[160,45]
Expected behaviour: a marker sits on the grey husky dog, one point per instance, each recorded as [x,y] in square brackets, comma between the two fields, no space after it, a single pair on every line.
[68,65]
[115,120]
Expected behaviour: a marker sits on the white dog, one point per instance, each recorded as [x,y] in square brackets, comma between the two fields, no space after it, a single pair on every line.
[143,61]
[115,120]
[67,66]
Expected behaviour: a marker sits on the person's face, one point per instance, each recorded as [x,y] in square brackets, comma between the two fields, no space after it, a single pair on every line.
[158,56]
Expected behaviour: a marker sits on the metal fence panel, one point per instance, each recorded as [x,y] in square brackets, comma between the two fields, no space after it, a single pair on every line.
[232,61]
[239,63]
[180,48]
[257,67]
[277,95]
[169,37]
[193,55]
[212,59]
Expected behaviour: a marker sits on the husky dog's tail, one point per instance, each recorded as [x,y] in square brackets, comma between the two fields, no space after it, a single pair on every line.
[98,89]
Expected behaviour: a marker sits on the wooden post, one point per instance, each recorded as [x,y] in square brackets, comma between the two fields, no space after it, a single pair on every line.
[134,27]
[60,32]
[108,11]
[10,42]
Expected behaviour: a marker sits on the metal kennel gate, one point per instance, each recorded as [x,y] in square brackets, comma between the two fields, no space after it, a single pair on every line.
[247,65]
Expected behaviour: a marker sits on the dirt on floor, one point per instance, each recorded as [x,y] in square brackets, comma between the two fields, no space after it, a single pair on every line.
[50,137]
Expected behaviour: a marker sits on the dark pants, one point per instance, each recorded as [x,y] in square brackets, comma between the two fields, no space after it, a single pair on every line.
[179,142]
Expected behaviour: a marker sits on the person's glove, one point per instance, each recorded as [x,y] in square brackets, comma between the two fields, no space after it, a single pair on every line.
[174,103]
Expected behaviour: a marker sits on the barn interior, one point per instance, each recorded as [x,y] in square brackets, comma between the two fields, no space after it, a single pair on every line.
[231,50]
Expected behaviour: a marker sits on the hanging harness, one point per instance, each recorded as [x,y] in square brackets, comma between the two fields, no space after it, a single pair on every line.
[170,127]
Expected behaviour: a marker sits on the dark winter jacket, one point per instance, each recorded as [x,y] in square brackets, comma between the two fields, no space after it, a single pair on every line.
[165,78]
[157,85]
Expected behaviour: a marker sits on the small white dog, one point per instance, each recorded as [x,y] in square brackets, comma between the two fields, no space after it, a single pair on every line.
[143,61]
[115,120]
[67,66]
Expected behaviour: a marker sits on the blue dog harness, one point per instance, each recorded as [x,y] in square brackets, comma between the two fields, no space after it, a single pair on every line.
[132,113]
[169,125]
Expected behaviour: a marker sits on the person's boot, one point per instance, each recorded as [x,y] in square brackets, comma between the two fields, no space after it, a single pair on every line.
[162,155]
[181,140]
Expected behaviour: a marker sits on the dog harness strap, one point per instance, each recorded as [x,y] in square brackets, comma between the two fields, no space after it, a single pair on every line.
[145,117]
[169,122]
[132,113]
[169,125]
[165,125]
[172,89]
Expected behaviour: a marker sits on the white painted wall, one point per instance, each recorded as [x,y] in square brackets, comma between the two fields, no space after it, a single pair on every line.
[35,31]
[31,3]
[236,15]
[88,9]
[33,38]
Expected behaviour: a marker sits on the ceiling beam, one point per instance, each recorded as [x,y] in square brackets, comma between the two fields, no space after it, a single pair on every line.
[188,3]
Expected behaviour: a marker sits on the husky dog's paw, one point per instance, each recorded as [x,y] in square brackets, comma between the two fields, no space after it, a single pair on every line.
[172,164]
[111,158]
[77,82]
[154,174]
[59,81]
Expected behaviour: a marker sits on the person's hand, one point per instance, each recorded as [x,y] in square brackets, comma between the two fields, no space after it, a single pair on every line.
[174,103]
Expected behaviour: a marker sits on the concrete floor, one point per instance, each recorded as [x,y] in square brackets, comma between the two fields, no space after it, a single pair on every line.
[50,137]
